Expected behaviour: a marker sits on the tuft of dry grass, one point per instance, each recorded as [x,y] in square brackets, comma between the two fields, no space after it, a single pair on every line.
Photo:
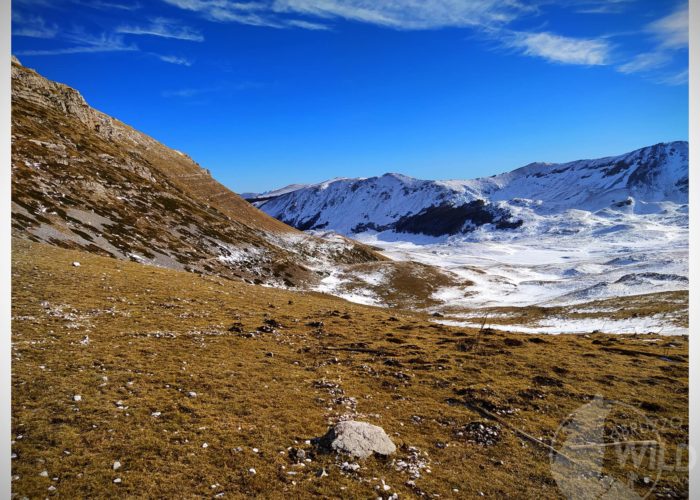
[272,369]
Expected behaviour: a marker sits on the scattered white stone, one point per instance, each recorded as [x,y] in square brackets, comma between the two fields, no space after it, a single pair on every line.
[255,450]
[85,341]
[205,445]
[76,264]
[44,473]
[116,465]
[192,394]
[348,467]
[252,471]
[77,398]
[118,480]
[156,414]
[52,488]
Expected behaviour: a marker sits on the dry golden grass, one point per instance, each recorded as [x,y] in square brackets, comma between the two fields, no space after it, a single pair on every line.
[155,335]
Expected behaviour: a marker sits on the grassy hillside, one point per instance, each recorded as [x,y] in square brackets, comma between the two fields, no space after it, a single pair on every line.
[166,362]
[81,179]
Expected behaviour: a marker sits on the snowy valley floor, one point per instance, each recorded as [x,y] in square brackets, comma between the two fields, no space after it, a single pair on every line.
[579,266]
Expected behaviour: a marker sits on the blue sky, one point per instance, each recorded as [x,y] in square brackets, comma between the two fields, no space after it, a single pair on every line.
[270,92]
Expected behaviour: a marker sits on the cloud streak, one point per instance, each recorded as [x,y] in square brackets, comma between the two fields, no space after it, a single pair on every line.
[164,28]
[402,15]
[670,37]
[181,61]
[603,6]
[32,26]
[560,49]
[671,31]
[251,13]
[85,44]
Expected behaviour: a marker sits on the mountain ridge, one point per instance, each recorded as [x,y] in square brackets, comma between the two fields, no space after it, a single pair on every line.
[638,179]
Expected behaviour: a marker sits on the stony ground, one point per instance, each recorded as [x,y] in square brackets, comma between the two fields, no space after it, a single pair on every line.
[137,381]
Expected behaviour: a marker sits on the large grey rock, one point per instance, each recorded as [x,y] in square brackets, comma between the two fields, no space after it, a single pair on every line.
[358,439]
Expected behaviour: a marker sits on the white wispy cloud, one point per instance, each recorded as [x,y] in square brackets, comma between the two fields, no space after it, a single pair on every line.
[182,61]
[409,14]
[227,87]
[671,31]
[679,78]
[32,26]
[251,13]
[189,92]
[644,62]
[397,14]
[85,43]
[165,28]
[602,6]
[670,36]
[560,49]
[296,23]
[104,5]
[93,4]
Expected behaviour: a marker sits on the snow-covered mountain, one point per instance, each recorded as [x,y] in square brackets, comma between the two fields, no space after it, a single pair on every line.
[545,234]
[637,182]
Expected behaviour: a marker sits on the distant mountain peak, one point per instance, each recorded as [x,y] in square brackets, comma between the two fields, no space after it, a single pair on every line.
[393,201]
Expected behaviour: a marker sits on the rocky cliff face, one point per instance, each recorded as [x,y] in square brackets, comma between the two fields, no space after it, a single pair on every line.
[82,179]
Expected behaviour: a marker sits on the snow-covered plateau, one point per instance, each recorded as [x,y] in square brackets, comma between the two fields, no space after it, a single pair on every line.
[544,234]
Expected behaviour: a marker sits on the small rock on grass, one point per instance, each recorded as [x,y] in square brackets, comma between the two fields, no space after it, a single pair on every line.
[359,439]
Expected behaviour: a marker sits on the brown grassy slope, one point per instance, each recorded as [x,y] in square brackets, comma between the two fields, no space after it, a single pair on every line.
[84,180]
[178,168]
[154,335]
